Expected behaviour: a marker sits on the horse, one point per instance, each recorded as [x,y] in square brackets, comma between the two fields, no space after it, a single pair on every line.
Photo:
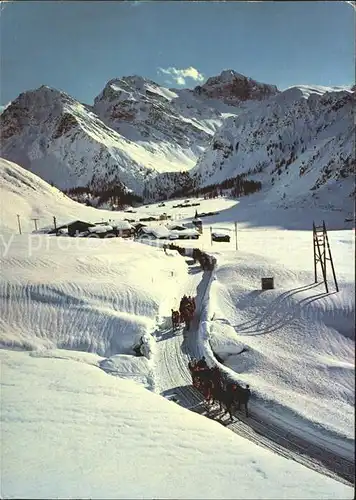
[192,302]
[243,396]
[193,371]
[209,383]
[175,319]
[234,395]
[228,394]
[186,310]
[187,314]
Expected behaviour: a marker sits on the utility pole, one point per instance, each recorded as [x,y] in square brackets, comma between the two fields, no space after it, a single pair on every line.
[314,254]
[55,223]
[35,221]
[19,223]
[321,244]
[211,236]
[330,257]
[236,235]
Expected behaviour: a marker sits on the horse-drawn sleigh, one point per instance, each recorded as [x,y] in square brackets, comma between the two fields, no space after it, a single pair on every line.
[185,314]
[210,382]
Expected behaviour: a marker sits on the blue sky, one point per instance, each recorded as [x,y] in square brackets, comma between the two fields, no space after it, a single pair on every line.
[78,46]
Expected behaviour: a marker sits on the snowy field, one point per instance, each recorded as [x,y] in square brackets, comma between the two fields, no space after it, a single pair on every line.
[71,431]
[299,339]
[29,196]
[86,294]
[71,310]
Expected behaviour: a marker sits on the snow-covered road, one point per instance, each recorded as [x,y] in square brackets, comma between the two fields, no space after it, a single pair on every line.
[174,349]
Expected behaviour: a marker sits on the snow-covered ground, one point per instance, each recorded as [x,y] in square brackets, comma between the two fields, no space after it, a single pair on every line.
[71,429]
[299,339]
[84,294]
[27,195]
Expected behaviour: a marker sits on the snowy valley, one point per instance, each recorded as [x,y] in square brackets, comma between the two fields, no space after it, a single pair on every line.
[83,416]
[177,250]
[140,139]
[135,130]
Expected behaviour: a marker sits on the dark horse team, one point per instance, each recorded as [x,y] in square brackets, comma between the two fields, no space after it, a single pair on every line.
[210,382]
[185,314]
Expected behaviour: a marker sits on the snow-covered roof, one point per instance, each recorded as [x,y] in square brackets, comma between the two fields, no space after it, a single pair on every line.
[186,232]
[176,227]
[75,221]
[157,231]
[220,235]
[100,229]
[121,224]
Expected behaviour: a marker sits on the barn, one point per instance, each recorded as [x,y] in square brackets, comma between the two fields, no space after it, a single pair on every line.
[137,226]
[177,227]
[157,233]
[186,234]
[78,226]
[123,228]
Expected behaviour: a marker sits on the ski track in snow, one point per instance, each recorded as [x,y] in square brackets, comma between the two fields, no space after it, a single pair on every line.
[174,349]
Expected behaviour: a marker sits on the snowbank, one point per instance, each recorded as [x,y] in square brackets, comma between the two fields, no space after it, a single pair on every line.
[71,431]
[298,341]
[29,196]
[100,296]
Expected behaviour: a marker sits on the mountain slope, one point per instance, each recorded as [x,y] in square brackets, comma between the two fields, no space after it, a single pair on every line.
[296,143]
[60,139]
[233,88]
[144,112]
[135,130]
[142,138]
[29,196]
[130,134]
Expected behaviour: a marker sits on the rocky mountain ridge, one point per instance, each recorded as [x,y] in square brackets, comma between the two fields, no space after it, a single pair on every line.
[295,143]
[141,138]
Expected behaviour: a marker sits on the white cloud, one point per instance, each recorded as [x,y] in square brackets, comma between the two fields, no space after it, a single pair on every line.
[180,75]
[180,80]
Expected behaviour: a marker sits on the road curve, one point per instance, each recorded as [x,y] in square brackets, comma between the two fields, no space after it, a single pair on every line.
[174,349]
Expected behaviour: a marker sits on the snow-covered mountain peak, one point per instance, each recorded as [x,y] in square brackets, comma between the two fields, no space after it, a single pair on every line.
[227,75]
[233,88]
[297,144]
[64,142]
[31,107]
[133,132]
[166,122]
[297,92]
[43,95]
[145,137]
[133,88]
